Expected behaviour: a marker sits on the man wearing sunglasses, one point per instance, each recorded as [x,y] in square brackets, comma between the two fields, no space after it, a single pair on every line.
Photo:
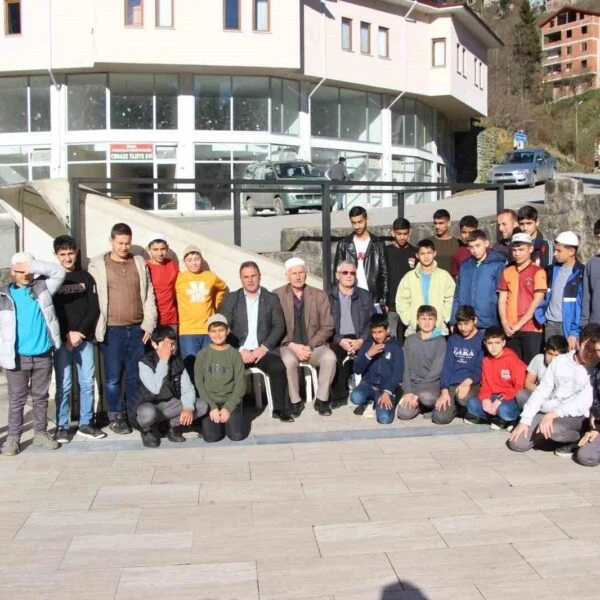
[351,309]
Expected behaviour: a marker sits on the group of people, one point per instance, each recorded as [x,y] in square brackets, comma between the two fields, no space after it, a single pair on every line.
[504,334]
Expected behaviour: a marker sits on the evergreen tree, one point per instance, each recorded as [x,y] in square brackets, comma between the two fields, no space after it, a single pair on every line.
[527,49]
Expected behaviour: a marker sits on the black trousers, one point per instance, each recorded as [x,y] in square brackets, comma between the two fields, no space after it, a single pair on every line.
[273,366]
[526,344]
[339,386]
[237,427]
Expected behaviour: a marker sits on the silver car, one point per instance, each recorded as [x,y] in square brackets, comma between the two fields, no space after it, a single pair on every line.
[523,167]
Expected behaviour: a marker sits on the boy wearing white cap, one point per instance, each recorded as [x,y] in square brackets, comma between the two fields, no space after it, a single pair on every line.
[521,290]
[560,310]
[29,330]
[163,274]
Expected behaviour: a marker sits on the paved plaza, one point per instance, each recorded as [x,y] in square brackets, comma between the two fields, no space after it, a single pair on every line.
[335,508]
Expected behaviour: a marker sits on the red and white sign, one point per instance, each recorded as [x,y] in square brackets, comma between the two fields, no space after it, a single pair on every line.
[131,152]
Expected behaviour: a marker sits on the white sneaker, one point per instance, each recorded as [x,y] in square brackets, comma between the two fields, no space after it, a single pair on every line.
[369,412]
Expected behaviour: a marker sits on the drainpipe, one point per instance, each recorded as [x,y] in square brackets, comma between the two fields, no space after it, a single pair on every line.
[415,2]
[50,49]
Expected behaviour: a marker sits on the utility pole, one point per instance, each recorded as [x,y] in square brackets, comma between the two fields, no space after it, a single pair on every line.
[577,104]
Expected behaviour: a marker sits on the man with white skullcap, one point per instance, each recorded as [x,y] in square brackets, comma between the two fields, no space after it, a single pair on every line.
[309,327]
[29,331]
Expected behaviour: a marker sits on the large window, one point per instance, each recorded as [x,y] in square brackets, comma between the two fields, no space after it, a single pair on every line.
[251,103]
[87,101]
[134,13]
[24,104]
[438,48]
[23,163]
[285,106]
[231,15]
[260,15]
[413,169]
[412,124]
[164,13]
[365,38]
[383,42]
[12,17]
[346,34]
[213,102]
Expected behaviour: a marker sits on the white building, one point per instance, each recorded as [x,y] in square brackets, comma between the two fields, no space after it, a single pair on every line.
[199,88]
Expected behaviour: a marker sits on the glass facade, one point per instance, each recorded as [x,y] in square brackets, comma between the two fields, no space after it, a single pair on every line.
[412,124]
[23,163]
[412,168]
[24,104]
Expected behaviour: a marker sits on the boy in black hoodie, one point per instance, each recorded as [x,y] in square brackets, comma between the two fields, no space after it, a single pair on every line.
[380,361]
[77,309]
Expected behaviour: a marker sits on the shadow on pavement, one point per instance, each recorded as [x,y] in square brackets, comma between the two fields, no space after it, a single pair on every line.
[403,590]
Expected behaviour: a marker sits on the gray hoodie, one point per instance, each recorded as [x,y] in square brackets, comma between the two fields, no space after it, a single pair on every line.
[423,360]
[590,311]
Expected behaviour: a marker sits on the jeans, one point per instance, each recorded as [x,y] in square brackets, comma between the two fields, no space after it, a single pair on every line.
[34,371]
[364,392]
[236,429]
[340,200]
[121,350]
[86,370]
[189,346]
[508,411]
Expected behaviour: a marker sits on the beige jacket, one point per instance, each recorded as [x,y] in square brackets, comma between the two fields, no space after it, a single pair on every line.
[97,269]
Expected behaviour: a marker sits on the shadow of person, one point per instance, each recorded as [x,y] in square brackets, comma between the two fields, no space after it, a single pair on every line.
[403,590]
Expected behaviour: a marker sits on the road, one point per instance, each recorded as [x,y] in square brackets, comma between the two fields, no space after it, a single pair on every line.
[262,233]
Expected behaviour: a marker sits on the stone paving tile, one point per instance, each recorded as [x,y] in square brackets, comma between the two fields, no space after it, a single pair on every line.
[482,457]
[269,452]
[118,476]
[582,523]
[418,506]
[127,550]
[560,471]
[10,524]
[66,524]
[159,456]
[525,498]
[224,543]
[231,581]
[26,556]
[39,584]
[478,530]
[556,588]
[263,471]
[366,575]
[440,482]
[135,495]
[411,446]
[488,439]
[588,490]
[250,491]
[329,450]
[309,512]
[353,485]
[462,592]
[345,539]
[456,566]
[199,473]
[37,459]
[32,479]
[390,464]
[22,499]
[561,558]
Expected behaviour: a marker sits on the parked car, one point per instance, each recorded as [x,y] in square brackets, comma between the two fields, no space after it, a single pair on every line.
[523,167]
[276,196]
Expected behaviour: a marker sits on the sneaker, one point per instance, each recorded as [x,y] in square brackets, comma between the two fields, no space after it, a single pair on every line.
[10,447]
[369,412]
[62,435]
[45,440]
[150,439]
[359,411]
[566,450]
[120,426]
[89,431]
[470,420]
[174,435]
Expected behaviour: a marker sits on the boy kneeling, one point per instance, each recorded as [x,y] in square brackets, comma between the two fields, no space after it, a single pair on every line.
[220,377]
[558,407]
[380,361]
[165,391]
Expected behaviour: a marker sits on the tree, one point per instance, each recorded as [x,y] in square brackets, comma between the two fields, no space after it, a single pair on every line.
[527,49]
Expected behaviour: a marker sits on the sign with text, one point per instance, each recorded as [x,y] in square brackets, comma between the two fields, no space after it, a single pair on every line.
[131,152]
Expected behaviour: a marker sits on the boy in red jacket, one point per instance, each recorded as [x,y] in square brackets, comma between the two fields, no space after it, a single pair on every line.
[502,376]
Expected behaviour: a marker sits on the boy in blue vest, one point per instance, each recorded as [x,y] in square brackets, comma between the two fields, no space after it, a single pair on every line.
[560,311]
[165,391]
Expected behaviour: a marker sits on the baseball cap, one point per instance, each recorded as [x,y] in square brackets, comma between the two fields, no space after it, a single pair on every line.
[521,238]
[191,248]
[218,318]
[156,237]
[568,238]
[22,257]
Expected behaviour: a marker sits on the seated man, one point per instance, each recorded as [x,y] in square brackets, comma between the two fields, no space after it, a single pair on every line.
[351,308]
[558,407]
[309,327]
[380,361]
[256,328]
[165,391]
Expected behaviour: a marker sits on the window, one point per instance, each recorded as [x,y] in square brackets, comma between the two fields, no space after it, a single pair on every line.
[569,49]
[260,15]
[584,64]
[13,17]
[383,42]
[164,13]
[438,58]
[475,73]
[584,30]
[569,33]
[458,59]
[480,78]
[231,15]
[463,63]
[568,66]
[346,34]
[86,101]
[24,104]
[250,103]
[584,47]
[134,13]
[365,38]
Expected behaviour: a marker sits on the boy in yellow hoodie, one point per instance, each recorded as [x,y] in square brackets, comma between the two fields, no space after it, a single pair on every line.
[199,295]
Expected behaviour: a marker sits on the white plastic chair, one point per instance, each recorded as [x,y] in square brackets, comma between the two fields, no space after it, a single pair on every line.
[256,374]
[311,381]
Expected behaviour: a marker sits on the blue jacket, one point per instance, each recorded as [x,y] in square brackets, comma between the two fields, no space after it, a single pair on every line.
[477,286]
[572,301]
[384,371]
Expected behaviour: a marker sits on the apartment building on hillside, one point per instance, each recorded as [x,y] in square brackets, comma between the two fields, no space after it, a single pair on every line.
[571,51]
